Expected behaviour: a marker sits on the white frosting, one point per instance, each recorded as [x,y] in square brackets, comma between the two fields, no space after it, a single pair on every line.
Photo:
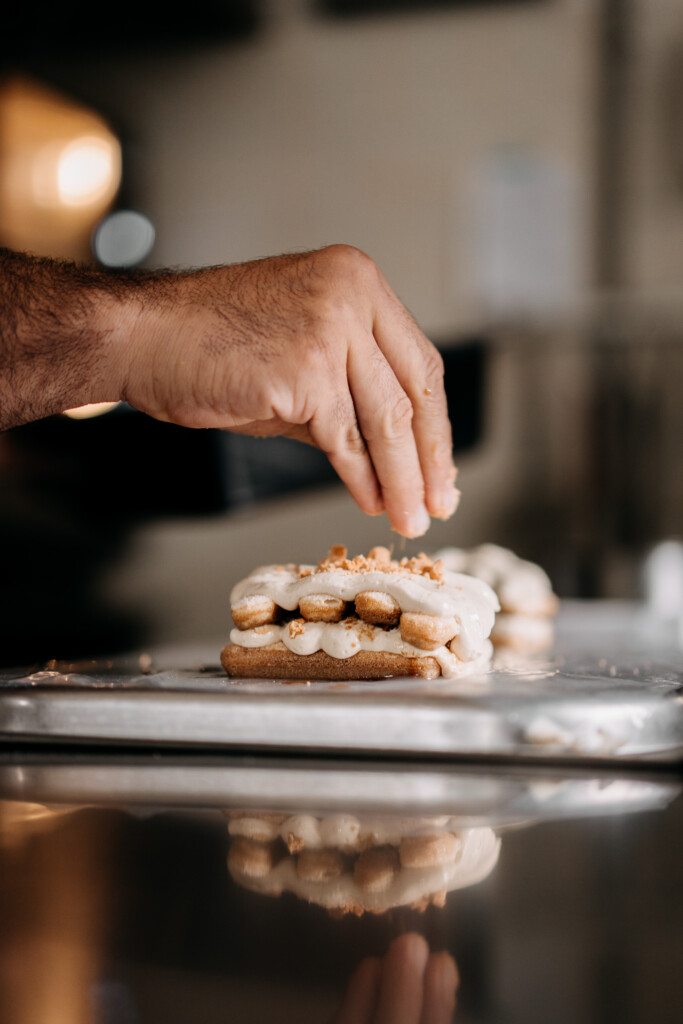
[520,585]
[348,637]
[470,601]
[477,855]
[588,738]
[348,833]
[261,829]
[532,632]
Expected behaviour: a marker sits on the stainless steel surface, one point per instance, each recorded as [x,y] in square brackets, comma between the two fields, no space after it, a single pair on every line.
[497,797]
[610,690]
[123,898]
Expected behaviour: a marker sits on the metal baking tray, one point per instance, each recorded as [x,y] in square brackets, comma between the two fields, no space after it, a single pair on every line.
[610,690]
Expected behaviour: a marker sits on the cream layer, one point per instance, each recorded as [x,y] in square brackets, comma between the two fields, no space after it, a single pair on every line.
[348,637]
[339,831]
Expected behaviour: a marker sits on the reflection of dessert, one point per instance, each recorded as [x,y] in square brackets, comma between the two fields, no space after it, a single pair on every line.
[357,865]
[363,618]
[527,602]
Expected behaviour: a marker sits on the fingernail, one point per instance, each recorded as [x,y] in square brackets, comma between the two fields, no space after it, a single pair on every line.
[419,522]
[446,503]
[412,949]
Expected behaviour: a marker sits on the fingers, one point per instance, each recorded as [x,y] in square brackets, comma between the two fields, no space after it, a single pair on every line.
[334,429]
[419,370]
[360,998]
[385,416]
[400,995]
[408,986]
[440,985]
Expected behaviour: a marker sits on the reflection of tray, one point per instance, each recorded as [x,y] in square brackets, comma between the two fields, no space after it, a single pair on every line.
[494,797]
[577,705]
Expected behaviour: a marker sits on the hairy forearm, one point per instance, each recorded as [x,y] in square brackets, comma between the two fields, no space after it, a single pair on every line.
[57,337]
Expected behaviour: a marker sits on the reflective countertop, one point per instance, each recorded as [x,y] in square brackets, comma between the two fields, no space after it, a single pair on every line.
[196,889]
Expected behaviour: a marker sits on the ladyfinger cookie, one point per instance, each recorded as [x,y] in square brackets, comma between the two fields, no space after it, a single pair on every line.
[277,662]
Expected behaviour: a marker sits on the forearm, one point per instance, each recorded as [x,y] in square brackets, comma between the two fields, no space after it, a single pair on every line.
[59,330]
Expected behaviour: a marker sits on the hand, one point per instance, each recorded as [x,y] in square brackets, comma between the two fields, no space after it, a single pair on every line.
[315,347]
[408,986]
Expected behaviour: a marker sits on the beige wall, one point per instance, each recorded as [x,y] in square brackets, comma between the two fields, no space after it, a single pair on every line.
[654,150]
[371,131]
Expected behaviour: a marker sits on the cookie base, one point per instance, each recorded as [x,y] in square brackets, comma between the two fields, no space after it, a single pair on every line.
[276,662]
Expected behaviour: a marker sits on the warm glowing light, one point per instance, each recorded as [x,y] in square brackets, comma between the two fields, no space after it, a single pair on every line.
[87,412]
[86,170]
[60,170]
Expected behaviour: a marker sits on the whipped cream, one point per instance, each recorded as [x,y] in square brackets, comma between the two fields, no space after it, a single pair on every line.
[520,585]
[533,632]
[348,637]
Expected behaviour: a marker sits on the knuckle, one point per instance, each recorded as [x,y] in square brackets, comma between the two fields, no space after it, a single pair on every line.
[337,432]
[348,438]
[353,440]
[396,418]
[441,452]
[335,279]
[347,262]
[433,368]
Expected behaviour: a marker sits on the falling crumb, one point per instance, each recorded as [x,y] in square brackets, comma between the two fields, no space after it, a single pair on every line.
[603,663]
[613,670]
[297,627]
[379,554]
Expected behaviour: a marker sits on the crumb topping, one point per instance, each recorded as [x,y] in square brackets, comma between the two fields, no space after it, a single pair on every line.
[377,560]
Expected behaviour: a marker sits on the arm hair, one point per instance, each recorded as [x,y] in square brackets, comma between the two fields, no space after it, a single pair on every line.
[54,336]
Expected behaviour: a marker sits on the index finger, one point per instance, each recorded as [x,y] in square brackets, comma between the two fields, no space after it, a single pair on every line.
[385,415]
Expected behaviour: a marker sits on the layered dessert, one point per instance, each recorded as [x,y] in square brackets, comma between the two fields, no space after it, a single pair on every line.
[358,865]
[528,605]
[368,617]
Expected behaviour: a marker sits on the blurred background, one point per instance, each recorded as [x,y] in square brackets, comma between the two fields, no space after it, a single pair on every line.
[516,170]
